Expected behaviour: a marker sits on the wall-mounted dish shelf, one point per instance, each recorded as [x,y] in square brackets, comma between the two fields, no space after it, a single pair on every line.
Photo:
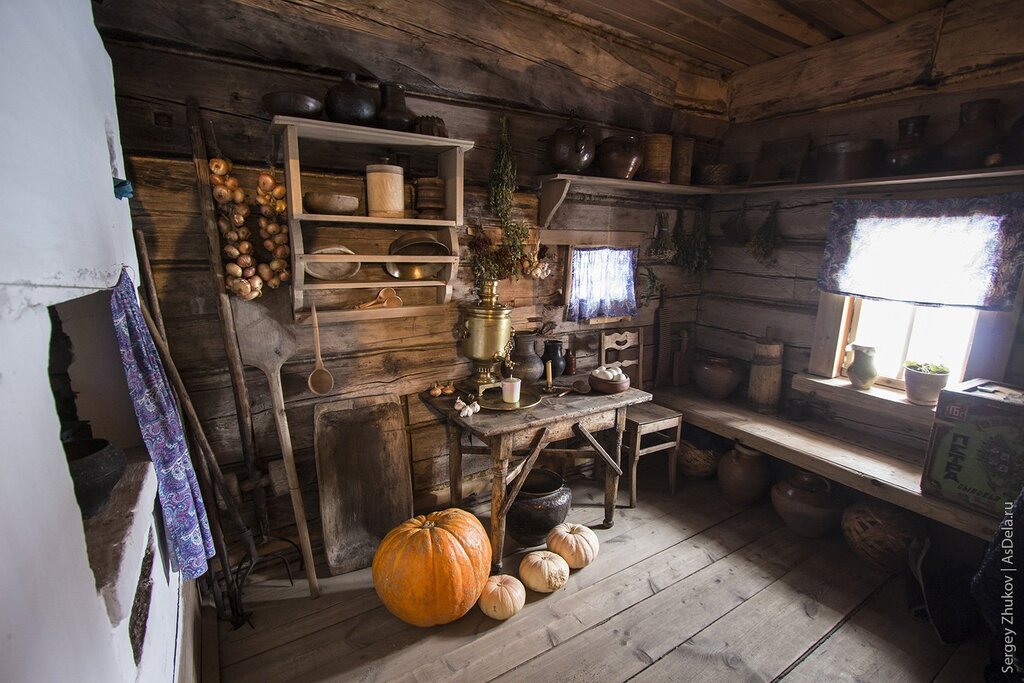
[555,188]
[450,165]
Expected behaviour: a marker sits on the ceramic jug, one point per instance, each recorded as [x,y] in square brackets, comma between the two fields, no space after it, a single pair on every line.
[553,353]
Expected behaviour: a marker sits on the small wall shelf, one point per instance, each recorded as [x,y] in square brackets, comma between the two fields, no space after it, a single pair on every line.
[554,188]
[450,165]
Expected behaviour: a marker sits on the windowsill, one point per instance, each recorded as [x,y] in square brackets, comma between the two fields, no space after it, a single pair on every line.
[893,402]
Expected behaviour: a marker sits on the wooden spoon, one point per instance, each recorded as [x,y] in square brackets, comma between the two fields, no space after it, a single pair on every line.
[320,381]
[382,296]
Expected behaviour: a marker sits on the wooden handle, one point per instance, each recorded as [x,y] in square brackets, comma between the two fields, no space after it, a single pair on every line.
[285,437]
[316,338]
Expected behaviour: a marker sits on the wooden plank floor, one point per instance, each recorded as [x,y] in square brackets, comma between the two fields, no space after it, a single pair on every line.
[686,588]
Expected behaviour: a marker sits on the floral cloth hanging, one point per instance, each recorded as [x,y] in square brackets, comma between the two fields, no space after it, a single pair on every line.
[603,283]
[187,528]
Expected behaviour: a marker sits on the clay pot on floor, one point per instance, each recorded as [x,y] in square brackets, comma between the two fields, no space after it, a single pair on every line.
[806,504]
[542,504]
[744,475]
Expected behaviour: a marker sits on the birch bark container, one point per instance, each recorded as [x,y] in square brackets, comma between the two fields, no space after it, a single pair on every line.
[765,388]
[385,196]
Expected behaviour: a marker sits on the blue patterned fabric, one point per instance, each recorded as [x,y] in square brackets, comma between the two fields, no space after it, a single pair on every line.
[187,528]
[603,283]
[963,251]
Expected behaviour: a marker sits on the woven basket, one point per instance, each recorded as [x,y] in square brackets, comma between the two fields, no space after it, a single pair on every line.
[657,164]
[717,174]
[879,533]
[701,463]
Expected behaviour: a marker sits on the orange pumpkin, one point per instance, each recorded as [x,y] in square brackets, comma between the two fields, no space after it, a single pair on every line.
[431,569]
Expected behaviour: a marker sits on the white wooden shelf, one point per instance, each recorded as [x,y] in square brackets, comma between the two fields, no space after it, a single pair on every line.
[450,166]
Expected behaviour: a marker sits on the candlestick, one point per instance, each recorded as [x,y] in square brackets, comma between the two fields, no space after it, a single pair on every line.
[547,372]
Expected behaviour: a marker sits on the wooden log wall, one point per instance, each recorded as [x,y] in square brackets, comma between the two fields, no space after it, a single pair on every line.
[740,296]
[163,53]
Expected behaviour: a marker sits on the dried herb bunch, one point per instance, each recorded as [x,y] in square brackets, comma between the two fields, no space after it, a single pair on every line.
[766,239]
[491,261]
[694,250]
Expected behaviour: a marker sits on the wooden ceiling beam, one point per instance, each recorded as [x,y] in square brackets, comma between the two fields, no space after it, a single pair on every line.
[897,10]
[734,24]
[849,17]
[778,17]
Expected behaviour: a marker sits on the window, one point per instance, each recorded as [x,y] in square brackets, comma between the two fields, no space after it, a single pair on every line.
[601,283]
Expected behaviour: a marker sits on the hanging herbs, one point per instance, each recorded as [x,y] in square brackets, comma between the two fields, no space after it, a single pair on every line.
[491,261]
[664,247]
[694,250]
[649,286]
[766,239]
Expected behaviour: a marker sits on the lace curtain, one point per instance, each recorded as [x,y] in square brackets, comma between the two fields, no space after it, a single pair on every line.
[966,251]
[602,283]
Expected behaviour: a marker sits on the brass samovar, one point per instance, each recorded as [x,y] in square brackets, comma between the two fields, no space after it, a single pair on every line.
[487,337]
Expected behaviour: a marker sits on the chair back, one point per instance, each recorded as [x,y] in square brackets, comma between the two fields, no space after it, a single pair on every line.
[624,349]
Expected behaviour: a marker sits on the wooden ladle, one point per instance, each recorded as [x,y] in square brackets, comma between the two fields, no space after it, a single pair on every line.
[382,296]
[320,381]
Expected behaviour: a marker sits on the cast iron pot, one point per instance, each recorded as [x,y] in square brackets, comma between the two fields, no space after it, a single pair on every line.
[96,466]
[348,102]
[542,504]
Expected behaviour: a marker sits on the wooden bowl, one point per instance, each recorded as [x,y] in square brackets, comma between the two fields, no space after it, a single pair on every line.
[329,203]
[604,386]
[284,103]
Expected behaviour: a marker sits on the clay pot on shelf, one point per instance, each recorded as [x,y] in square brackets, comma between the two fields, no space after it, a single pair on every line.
[911,152]
[528,365]
[571,148]
[553,353]
[861,371]
[393,114]
[542,504]
[923,388]
[96,466]
[349,102]
[717,376]
[847,159]
[976,138]
[744,475]
[620,156]
[806,504]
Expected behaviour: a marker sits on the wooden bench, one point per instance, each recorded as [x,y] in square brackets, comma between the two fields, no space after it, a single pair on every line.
[883,475]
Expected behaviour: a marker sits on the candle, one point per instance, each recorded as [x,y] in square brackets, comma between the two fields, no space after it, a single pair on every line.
[547,371]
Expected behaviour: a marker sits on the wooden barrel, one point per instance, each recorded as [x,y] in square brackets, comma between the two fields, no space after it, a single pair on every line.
[682,160]
[765,387]
[385,192]
[657,163]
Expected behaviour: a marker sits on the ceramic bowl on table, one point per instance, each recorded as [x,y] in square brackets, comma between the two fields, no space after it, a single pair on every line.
[285,103]
[329,203]
[607,386]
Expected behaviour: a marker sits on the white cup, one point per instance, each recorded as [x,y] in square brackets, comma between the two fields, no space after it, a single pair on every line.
[510,389]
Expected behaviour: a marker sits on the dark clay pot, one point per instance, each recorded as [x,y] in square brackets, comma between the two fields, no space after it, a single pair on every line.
[553,353]
[910,155]
[542,504]
[349,102]
[717,376]
[806,504]
[571,148]
[393,114]
[976,138]
[620,156]
[529,367]
[744,475]
[96,466]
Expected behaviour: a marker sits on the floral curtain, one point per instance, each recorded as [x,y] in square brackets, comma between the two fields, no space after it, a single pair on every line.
[964,251]
[185,522]
[602,283]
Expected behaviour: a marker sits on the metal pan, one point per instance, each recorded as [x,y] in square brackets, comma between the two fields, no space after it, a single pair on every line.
[416,244]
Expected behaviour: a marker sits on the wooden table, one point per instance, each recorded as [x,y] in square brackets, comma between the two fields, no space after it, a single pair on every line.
[553,419]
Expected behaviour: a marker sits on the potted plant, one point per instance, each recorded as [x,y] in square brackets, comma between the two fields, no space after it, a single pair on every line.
[924,381]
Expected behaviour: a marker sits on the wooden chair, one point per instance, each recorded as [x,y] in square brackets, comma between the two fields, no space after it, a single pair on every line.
[646,419]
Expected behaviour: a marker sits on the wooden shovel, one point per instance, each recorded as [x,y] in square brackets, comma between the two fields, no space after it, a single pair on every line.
[266,343]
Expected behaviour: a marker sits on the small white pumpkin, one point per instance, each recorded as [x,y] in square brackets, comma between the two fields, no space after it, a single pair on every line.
[543,571]
[503,597]
[574,543]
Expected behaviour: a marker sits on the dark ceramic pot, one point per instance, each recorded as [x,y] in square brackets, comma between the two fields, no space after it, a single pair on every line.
[806,504]
[553,353]
[717,376]
[910,155]
[96,466]
[744,475]
[528,365]
[571,148]
[976,138]
[848,159]
[542,504]
[393,114]
[349,102]
[620,156]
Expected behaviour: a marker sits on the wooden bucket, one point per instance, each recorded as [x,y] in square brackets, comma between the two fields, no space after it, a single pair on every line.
[682,160]
[657,163]
[385,191]
[765,388]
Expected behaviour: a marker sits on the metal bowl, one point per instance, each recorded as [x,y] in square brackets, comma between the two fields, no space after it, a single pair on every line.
[329,203]
[323,270]
[416,244]
[285,103]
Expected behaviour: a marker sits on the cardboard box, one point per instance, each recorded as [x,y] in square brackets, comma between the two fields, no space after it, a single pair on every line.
[976,450]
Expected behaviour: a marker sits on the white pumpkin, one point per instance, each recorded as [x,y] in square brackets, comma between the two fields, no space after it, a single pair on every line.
[503,597]
[574,543]
[543,571]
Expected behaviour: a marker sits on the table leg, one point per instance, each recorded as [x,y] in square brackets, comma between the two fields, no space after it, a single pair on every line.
[501,451]
[454,465]
[611,478]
